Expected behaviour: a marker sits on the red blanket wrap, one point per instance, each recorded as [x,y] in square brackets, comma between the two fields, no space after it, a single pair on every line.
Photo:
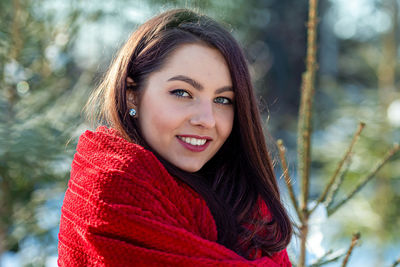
[122,208]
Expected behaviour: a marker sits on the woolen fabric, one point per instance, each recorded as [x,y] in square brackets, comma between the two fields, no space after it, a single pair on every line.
[122,208]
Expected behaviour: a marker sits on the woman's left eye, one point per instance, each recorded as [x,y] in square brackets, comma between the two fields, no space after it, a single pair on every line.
[223,100]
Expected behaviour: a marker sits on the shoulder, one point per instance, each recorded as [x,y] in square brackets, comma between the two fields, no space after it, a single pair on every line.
[104,156]
[108,165]
[106,149]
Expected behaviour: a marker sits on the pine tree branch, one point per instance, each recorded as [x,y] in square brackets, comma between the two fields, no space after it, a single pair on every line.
[335,188]
[354,242]
[320,260]
[397,262]
[339,167]
[288,180]
[323,260]
[367,178]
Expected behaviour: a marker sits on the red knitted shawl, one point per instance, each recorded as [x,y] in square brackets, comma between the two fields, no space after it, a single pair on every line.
[122,208]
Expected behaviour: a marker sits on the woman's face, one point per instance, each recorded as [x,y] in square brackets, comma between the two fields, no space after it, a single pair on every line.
[186,110]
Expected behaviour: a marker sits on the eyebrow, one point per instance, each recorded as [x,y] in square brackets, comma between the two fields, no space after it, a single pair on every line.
[196,84]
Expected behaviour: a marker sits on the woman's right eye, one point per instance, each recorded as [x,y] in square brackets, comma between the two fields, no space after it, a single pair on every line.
[180,93]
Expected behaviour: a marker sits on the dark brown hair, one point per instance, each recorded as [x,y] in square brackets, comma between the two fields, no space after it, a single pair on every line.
[241,172]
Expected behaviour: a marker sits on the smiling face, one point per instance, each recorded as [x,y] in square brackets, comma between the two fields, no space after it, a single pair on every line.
[185,111]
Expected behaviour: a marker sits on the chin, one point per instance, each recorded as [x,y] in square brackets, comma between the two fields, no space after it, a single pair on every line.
[191,168]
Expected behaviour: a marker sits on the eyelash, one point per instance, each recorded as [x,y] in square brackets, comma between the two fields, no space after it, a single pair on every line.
[229,102]
[179,93]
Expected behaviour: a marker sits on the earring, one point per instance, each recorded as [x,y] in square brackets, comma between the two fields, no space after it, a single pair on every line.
[132,112]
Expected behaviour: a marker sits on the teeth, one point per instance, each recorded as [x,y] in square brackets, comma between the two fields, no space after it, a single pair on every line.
[193,141]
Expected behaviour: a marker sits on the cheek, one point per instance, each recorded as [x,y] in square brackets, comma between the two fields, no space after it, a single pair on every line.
[157,119]
[226,124]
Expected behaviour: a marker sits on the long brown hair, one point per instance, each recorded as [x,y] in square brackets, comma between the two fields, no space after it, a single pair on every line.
[241,172]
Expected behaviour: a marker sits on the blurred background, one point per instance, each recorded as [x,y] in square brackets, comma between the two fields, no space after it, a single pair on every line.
[53,52]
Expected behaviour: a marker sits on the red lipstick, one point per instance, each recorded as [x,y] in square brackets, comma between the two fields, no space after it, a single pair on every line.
[194,148]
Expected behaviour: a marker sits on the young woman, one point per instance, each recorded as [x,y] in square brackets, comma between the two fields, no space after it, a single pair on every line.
[180,176]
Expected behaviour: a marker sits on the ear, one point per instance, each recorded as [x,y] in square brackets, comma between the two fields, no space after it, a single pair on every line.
[130,82]
[131,95]
[131,99]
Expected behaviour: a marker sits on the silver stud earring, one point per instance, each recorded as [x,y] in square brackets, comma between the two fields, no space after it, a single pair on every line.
[132,112]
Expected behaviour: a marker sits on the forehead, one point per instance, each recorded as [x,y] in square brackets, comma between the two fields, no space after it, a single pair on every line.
[199,60]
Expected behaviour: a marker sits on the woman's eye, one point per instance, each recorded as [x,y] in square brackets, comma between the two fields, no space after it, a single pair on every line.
[180,93]
[223,100]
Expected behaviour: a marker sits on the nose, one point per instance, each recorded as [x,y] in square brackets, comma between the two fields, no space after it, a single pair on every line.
[203,115]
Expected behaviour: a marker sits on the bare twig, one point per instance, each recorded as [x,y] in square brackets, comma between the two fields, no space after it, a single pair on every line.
[304,126]
[354,241]
[340,165]
[282,155]
[367,178]
[307,93]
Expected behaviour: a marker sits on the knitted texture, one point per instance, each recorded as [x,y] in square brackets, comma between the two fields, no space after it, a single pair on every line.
[122,208]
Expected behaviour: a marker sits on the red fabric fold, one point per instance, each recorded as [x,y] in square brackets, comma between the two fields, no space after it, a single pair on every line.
[122,208]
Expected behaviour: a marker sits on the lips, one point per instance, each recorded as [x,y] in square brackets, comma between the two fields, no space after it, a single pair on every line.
[193,142]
